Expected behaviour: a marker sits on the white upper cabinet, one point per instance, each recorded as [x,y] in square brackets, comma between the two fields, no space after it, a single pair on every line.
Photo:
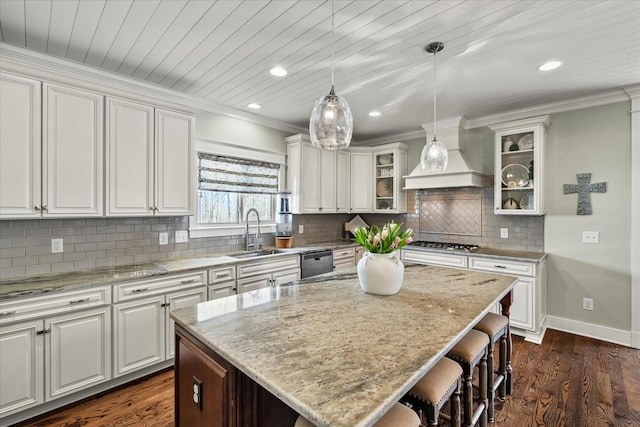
[175,163]
[361,181]
[342,182]
[150,162]
[390,165]
[520,166]
[72,152]
[311,176]
[20,147]
[129,158]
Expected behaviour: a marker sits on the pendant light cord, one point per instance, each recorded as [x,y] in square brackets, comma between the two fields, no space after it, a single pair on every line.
[434,95]
[332,49]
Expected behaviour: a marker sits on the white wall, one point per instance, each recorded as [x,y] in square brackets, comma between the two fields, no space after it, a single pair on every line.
[239,132]
[595,140]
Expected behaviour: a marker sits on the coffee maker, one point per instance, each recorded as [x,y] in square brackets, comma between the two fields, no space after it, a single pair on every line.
[284,221]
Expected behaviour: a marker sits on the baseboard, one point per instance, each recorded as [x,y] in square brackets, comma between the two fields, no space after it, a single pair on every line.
[635,339]
[591,330]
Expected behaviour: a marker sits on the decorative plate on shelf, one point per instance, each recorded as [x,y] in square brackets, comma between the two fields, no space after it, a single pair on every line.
[384,188]
[526,142]
[385,159]
[515,175]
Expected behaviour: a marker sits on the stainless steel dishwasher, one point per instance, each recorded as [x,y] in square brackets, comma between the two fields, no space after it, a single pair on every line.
[316,263]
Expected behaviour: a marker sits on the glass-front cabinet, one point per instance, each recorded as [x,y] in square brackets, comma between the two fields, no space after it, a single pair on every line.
[390,165]
[520,166]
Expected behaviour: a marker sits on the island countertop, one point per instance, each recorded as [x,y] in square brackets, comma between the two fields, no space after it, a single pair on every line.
[335,354]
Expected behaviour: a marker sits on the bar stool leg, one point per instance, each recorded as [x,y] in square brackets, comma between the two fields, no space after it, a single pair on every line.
[490,389]
[482,383]
[468,399]
[502,368]
[454,402]
[432,416]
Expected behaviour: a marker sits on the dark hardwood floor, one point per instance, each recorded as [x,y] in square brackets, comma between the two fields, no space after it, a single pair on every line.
[568,381]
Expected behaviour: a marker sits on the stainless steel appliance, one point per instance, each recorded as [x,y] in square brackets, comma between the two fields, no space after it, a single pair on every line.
[443,245]
[316,263]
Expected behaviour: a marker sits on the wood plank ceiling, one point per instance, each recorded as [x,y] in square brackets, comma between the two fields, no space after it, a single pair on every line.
[222,51]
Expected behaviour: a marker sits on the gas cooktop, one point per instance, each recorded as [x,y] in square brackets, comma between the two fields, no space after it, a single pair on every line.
[443,245]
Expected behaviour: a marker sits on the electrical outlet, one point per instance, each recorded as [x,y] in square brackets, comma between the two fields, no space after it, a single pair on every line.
[163,238]
[504,233]
[590,237]
[57,246]
[301,229]
[587,304]
[182,236]
[197,392]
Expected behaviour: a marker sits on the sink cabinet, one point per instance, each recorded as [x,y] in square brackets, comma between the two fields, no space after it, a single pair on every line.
[268,272]
[52,346]
[520,167]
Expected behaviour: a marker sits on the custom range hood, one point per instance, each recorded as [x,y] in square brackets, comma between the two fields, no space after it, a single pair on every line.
[458,172]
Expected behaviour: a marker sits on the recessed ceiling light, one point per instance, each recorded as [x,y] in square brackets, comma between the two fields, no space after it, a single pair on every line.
[551,65]
[278,71]
[374,113]
[254,106]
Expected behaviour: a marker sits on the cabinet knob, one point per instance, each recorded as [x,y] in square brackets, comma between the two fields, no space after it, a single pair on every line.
[36,207]
[44,207]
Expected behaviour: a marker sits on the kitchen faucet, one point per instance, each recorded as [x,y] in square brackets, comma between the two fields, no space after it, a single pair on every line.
[246,235]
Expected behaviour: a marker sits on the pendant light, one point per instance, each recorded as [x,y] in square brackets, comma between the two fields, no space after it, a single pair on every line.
[434,155]
[331,122]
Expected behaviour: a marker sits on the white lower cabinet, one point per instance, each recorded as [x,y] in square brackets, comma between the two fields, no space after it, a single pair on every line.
[270,272]
[344,258]
[528,306]
[44,358]
[222,282]
[142,330]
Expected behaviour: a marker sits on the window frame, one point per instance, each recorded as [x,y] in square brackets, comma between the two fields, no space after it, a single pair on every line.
[231,150]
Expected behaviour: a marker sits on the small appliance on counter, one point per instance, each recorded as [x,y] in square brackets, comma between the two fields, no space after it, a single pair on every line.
[284,221]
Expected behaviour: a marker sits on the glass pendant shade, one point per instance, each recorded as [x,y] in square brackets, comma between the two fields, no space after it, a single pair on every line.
[331,122]
[434,156]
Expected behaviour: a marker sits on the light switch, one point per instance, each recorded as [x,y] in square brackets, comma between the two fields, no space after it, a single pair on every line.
[182,236]
[504,233]
[301,229]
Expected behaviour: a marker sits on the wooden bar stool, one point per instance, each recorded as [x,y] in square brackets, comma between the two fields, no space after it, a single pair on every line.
[495,326]
[469,352]
[431,393]
[398,416]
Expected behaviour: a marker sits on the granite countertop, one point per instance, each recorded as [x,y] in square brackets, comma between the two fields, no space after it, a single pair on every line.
[335,354]
[54,282]
[524,256]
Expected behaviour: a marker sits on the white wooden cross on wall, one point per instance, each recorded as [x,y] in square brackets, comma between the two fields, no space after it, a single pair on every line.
[583,188]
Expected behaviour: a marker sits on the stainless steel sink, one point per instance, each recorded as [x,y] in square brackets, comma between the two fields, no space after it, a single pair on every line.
[254,254]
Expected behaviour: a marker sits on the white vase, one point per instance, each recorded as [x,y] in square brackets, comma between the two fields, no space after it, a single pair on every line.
[380,274]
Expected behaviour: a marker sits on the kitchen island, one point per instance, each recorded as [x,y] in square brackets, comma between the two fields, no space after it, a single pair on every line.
[321,347]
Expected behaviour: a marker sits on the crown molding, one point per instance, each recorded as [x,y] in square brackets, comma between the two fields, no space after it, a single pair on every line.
[603,98]
[62,71]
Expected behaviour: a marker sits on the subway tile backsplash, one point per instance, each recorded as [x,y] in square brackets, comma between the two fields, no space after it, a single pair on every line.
[25,245]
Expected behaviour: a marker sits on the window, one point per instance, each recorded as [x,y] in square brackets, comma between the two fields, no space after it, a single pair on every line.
[229,186]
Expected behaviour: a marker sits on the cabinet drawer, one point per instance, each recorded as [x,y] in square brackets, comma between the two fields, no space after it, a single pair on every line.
[342,264]
[272,265]
[434,258]
[53,303]
[222,274]
[157,285]
[221,290]
[339,254]
[503,267]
